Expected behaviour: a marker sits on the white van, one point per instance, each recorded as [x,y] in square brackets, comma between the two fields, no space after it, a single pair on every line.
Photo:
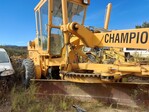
[6,68]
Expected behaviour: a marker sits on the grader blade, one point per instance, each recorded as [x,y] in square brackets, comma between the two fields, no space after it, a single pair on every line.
[126,94]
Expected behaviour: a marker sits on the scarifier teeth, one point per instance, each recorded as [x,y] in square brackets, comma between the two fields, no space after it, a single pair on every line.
[73,74]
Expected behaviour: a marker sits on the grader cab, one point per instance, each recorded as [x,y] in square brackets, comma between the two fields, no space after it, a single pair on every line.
[50,15]
[48,50]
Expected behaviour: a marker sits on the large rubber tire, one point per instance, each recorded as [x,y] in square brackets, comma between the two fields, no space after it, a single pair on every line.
[28,72]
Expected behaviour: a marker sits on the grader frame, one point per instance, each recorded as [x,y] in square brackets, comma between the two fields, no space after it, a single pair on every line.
[60,37]
[56,52]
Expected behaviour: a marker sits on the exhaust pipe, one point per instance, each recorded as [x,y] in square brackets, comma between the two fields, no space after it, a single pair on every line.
[107,17]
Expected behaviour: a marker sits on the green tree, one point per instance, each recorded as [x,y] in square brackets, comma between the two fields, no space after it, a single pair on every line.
[144,25]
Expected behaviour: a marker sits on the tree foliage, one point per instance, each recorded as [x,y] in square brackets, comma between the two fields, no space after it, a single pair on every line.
[144,25]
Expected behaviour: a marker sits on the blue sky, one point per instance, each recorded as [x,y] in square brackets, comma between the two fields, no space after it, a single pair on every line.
[17,18]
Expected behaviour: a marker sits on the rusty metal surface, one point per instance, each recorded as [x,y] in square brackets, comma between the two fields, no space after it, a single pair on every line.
[129,94]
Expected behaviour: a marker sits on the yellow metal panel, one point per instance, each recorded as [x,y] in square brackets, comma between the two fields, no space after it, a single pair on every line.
[133,38]
[38,71]
[98,68]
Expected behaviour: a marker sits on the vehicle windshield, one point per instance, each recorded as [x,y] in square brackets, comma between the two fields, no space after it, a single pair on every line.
[57,13]
[3,57]
[75,13]
[56,37]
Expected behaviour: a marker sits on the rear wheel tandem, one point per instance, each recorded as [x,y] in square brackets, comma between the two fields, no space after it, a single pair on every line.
[28,72]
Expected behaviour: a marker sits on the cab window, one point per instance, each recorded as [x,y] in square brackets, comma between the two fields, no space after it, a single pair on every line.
[44,25]
[75,13]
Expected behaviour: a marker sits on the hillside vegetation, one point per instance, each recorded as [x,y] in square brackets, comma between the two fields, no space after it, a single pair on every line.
[15,50]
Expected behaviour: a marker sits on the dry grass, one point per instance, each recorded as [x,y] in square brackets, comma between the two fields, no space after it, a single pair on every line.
[26,101]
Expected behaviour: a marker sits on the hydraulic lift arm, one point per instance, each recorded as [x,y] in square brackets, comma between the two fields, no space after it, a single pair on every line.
[133,38]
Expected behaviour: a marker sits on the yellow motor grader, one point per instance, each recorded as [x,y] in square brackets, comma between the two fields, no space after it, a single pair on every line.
[57,52]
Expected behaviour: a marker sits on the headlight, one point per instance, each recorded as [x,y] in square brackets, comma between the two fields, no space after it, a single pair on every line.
[86,2]
[7,72]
